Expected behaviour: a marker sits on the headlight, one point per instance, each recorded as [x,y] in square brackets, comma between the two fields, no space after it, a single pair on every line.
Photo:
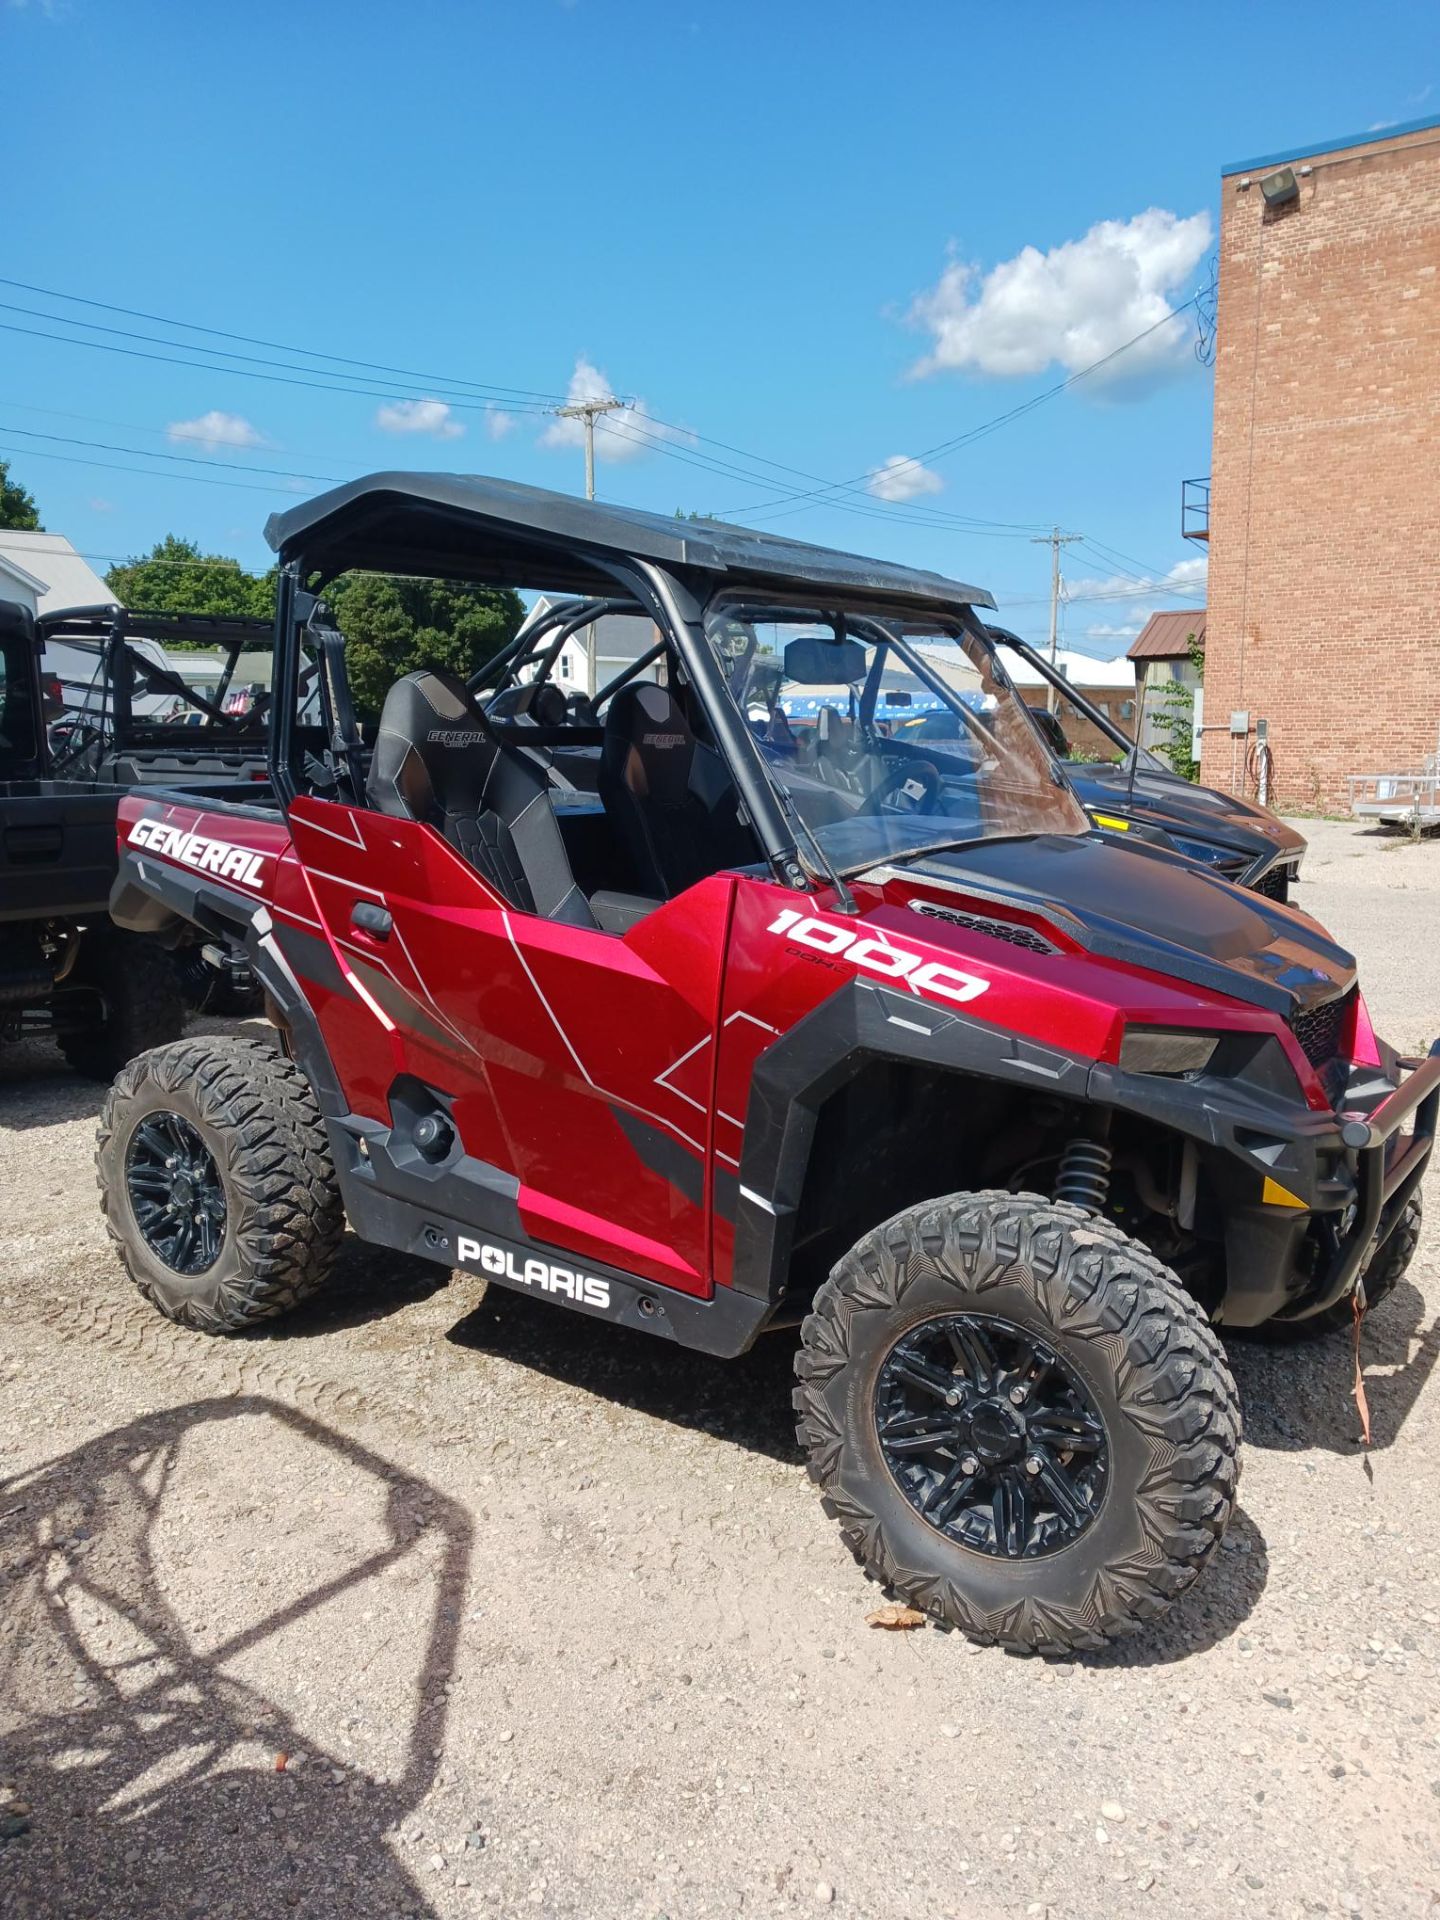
[1163,1050]
[1209,854]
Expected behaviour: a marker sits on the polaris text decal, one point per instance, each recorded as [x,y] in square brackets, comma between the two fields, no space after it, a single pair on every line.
[583,1288]
[226,862]
[880,957]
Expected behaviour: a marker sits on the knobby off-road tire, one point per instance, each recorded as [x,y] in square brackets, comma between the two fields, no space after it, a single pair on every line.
[139,1003]
[1128,1340]
[1381,1280]
[240,1122]
[1386,1273]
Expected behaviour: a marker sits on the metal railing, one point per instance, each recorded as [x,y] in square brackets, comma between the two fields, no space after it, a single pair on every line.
[1195,509]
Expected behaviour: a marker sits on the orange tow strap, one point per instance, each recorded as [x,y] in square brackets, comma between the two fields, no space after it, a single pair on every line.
[1359,1388]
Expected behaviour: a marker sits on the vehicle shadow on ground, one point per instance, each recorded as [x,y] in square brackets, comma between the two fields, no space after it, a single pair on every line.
[39,1088]
[368,1283]
[745,1401]
[1300,1396]
[136,1728]
[1215,1607]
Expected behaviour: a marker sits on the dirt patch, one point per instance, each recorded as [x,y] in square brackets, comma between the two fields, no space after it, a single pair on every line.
[544,1617]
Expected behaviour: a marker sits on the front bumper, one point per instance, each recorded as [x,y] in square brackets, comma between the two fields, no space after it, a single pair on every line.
[1389,1167]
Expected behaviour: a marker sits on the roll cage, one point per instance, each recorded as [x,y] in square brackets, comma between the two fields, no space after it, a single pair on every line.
[599,560]
[125,674]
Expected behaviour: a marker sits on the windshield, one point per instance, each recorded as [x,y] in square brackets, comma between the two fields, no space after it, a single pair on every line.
[891,736]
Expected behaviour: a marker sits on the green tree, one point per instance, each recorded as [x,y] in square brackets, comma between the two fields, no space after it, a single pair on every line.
[392,626]
[175,577]
[17,507]
[1176,717]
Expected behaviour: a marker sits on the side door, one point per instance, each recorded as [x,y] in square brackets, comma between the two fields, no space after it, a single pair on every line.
[579,1062]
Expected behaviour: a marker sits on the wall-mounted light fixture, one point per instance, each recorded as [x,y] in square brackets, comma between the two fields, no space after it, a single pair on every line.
[1280,188]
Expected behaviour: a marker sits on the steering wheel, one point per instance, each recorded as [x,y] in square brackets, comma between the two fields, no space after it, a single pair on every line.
[910,786]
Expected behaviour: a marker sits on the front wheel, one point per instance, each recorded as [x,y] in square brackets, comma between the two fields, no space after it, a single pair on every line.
[1021,1421]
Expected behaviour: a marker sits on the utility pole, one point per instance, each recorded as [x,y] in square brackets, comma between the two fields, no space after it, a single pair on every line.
[588,411]
[1054,540]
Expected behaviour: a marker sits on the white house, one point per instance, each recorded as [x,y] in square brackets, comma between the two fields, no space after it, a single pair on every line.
[45,573]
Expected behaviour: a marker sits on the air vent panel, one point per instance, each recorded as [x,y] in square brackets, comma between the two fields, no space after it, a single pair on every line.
[1010,931]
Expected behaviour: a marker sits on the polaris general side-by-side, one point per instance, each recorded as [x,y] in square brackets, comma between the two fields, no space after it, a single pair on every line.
[682,1013]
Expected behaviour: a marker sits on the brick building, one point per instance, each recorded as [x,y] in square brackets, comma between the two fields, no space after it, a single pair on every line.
[1324,590]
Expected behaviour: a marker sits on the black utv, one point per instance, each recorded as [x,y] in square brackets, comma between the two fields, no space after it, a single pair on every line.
[1138,796]
[65,968]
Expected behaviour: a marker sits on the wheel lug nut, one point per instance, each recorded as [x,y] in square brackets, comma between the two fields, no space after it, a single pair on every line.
[969,1464]
[952,1399]
[1017,1396]
[1033,1465]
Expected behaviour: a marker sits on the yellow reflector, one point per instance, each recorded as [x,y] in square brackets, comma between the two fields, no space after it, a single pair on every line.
[1274,1195]
[1109,820]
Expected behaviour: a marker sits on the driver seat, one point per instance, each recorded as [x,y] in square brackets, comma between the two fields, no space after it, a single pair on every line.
[437,760]
[838,747]
[671,797]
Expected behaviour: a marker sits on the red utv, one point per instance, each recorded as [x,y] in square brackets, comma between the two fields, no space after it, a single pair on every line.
[644,1003]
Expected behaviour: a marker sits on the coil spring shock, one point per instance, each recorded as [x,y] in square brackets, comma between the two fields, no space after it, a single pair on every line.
[1084,1175]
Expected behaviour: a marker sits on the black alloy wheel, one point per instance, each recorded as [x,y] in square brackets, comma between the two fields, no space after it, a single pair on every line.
[175,1192]
[991,1436]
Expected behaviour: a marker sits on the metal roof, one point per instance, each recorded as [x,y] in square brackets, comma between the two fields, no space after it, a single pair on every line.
[1166,636]
[1082,670]
[1308,152]
[66,580]
[470,527]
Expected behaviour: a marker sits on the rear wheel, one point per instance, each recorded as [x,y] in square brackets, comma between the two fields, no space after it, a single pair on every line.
[134,1002]
[1021,1421]
[217,1184]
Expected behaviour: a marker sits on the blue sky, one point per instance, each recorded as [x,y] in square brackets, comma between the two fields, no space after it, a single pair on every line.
[827,236]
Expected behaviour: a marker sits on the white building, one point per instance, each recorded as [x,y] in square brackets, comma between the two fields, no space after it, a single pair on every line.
[617,640]
[43,572]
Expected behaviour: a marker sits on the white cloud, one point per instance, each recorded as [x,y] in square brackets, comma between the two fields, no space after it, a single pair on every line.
[618,436]
[431,417]
[1104,631]
[498,423]
[98,505]
[901,478]
[216,429]
[1070,306]
[1185,580]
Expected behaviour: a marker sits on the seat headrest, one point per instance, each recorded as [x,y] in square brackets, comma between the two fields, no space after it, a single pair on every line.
[425,763]
[649,743]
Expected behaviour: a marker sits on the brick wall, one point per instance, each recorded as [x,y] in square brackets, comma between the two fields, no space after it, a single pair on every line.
[1323,603]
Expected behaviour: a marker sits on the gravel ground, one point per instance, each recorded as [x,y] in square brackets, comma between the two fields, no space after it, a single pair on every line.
[545,1617]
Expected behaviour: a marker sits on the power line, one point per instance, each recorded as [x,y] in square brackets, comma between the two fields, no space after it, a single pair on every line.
[249,373]
[944,448]
[860,501]
[277,346]
[112,466]
[145,453]
[969,523]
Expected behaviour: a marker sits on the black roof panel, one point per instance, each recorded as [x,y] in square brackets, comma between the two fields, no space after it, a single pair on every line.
[466,526]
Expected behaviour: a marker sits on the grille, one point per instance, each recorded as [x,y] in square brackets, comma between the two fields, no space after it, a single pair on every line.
[1318,1029]
[1006,930]
[1275,885]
